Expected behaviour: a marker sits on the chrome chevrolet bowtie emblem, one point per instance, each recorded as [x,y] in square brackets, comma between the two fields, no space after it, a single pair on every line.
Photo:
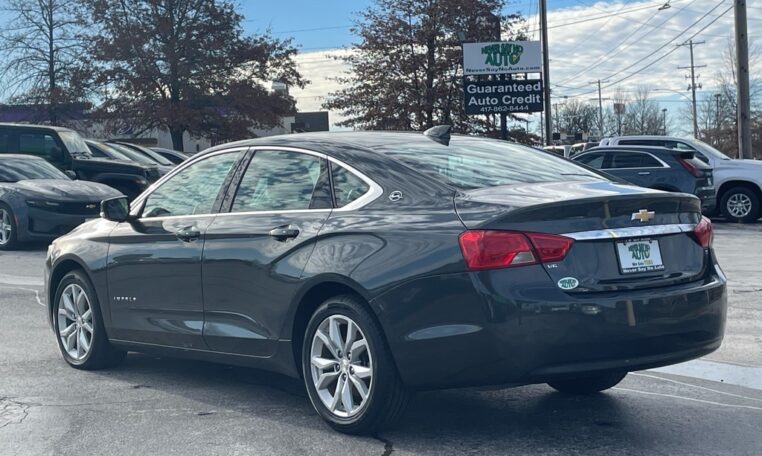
[643,215]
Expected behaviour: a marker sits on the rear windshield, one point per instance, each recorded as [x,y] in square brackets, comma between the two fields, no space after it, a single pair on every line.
[469,163]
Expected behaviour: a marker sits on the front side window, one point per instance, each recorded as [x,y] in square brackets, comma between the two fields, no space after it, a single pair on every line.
[39,144]
[193,190]
[278,180]
[347,187]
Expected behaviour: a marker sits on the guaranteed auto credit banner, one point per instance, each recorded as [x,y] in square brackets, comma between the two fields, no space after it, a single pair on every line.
[502,57]
[489,97]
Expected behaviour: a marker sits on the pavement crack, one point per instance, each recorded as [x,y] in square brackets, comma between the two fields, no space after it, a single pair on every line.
[388,446]
[12,411]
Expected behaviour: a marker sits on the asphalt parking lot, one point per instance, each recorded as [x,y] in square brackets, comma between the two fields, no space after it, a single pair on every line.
[158,406]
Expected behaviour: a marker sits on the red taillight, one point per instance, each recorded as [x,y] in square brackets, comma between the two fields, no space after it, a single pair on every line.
[704,233]
[690,167]
[550,247]
[485,249]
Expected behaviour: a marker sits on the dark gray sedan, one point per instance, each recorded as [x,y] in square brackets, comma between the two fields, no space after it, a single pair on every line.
[39,203]
[375,264]
[671,170]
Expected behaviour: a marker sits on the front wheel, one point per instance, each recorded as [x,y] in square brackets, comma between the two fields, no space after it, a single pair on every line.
[8,231]
[79,325]
[348,370]
[740,204]
[588,385]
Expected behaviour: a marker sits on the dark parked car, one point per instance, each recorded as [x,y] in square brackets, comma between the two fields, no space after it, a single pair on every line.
[66,150]
[372,264]
[165,165]
[118,152]
[659,168]
[39,203]
[171,155]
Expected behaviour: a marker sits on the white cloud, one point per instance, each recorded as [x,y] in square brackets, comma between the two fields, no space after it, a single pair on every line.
[612,44]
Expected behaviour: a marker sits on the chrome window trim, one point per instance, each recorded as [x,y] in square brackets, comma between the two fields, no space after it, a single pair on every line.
[633,231]
[373,193]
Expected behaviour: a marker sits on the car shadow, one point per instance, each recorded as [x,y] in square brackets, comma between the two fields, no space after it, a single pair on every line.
[475,415]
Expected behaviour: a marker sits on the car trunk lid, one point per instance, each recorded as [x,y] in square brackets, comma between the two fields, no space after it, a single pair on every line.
[625,236]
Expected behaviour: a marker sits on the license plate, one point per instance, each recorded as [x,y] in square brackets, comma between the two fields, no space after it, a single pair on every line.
[639,256]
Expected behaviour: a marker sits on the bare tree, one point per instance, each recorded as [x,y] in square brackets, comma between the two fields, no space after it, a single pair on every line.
[643,116]
[42,53]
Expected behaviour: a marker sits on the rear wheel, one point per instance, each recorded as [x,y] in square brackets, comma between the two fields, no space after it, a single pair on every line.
[8,231]
[79,325]
[349,373]
[740,204]
[588,385]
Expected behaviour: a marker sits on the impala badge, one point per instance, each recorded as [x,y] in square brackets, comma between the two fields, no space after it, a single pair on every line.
[643,215]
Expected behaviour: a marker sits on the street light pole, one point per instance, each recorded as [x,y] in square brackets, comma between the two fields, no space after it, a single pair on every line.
[545,69]
[664,120]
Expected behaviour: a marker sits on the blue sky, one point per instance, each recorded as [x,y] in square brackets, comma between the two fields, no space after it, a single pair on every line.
[300,18]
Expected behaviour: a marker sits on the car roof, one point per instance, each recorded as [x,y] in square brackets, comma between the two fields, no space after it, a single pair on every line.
[331,142]
[50,127]
[625,148]
[649,138]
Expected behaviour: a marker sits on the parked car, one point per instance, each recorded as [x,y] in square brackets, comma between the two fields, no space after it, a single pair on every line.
[117,152]
[171,155]
[738,182]
[66,150]
[165,165]
[659,168]
[581,147]
[39,203]
[372,264]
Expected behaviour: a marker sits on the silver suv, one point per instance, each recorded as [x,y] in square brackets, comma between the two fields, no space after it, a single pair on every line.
[738,182]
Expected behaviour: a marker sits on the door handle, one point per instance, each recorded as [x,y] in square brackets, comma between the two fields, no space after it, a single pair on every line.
[644,173]
[282,233]
[188,234]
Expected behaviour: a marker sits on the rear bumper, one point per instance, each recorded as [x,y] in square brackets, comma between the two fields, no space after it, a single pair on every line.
[510,327]
[708,198]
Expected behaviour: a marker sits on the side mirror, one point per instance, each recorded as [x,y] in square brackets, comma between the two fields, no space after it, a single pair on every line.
[116,209]
[72,175]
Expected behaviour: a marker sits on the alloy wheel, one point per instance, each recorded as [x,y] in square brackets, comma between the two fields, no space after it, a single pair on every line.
[75,322]
[341,366]
[6,228]
[739,205]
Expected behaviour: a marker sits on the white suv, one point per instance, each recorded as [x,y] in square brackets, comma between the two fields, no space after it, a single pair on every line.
[738,182]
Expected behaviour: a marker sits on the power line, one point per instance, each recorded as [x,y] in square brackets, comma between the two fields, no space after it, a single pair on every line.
[663,46]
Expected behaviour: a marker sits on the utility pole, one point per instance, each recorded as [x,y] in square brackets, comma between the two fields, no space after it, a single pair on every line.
[600,105]
[742,70]
[717,97]
[692,88]
[664,120]
[545,70]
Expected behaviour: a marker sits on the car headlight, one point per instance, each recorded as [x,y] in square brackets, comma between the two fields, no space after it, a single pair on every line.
[43,204]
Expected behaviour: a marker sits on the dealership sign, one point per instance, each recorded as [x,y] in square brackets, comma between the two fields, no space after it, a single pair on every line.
[490,97]
[502,57]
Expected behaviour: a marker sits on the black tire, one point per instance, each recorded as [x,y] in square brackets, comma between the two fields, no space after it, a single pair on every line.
[12,242]
[101,354]
[387,396]
[588,385]
[745,193]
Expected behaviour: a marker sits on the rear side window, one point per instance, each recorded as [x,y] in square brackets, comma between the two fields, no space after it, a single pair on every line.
[594,160]
[469,163]
[621,160]
[283,180]
[347,187]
